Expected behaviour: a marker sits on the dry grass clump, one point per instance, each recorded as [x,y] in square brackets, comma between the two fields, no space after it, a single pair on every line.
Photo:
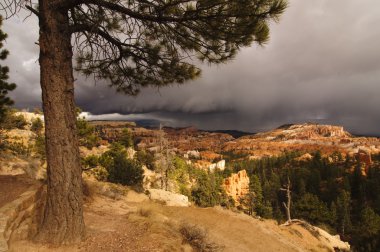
[106,189]
[197,237]
[145,212]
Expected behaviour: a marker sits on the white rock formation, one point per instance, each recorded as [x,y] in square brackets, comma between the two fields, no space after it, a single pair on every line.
[193,154]
[170,199]
[221,165]
[334,242]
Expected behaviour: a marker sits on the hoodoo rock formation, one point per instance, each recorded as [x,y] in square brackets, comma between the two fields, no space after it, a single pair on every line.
[311,131]
[237,185]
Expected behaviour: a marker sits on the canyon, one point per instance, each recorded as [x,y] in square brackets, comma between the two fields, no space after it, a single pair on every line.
[211,146]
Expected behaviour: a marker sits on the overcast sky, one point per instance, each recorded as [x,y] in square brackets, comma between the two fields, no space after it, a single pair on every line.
[322,64]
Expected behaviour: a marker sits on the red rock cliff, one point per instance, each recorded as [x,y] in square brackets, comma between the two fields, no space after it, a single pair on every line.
[237,185]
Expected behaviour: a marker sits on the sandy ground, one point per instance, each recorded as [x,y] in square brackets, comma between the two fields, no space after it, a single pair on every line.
[133,223]
[11,187]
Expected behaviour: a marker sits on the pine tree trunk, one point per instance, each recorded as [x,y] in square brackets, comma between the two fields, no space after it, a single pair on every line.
[62,222]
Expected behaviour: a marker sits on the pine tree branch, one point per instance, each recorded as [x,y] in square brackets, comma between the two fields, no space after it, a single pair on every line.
[158,15]
[284,204]
[34,11]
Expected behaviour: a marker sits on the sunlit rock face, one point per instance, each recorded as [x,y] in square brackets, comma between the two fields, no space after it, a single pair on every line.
[306,137]
[311,131]
[237,185]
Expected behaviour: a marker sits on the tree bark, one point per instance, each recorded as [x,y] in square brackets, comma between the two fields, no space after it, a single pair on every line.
[62,221]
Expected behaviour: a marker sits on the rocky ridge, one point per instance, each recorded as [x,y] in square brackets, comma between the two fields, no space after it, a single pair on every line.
[210,146]
[303,137]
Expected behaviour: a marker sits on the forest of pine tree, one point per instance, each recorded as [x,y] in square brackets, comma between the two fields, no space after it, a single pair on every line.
[330,192]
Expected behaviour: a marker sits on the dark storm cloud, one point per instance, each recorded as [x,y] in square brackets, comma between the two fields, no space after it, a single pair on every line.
[23,60]
[321,64]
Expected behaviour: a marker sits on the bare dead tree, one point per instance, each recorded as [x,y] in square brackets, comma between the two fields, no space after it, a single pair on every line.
[165,162]
[288,202]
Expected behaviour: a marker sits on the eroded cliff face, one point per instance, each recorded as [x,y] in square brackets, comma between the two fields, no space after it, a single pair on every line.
[237,185]
[180,139]
[306,131]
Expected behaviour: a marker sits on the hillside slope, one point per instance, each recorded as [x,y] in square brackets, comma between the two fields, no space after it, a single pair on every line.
[134,223]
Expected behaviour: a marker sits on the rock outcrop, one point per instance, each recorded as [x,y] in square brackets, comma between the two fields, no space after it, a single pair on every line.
[364,157]
[237,185]
[221,165]
[333,242]
[310,131]
[169,198]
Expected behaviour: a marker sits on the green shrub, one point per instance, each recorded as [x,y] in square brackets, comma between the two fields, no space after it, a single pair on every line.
[90,161]
[100,173]
[39,147]
[125,171]
[146,158]
[121,169]
[19,148]
[126,138]
[13,121]
[86,134]
[180,173]
[37,125]
[3,140]
[184,190]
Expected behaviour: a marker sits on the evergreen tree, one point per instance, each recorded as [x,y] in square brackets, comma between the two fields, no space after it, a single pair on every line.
[358,191]
[333,214]
[208,191]
[312,209]
[126,138]
[343,212]
[131,44]
[254,200]
[5,87]
[367,232]
[87,134]
[121,169]
[255,186]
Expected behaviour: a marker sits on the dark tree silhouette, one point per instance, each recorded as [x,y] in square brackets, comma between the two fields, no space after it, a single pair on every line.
[132,44]
[5,86]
